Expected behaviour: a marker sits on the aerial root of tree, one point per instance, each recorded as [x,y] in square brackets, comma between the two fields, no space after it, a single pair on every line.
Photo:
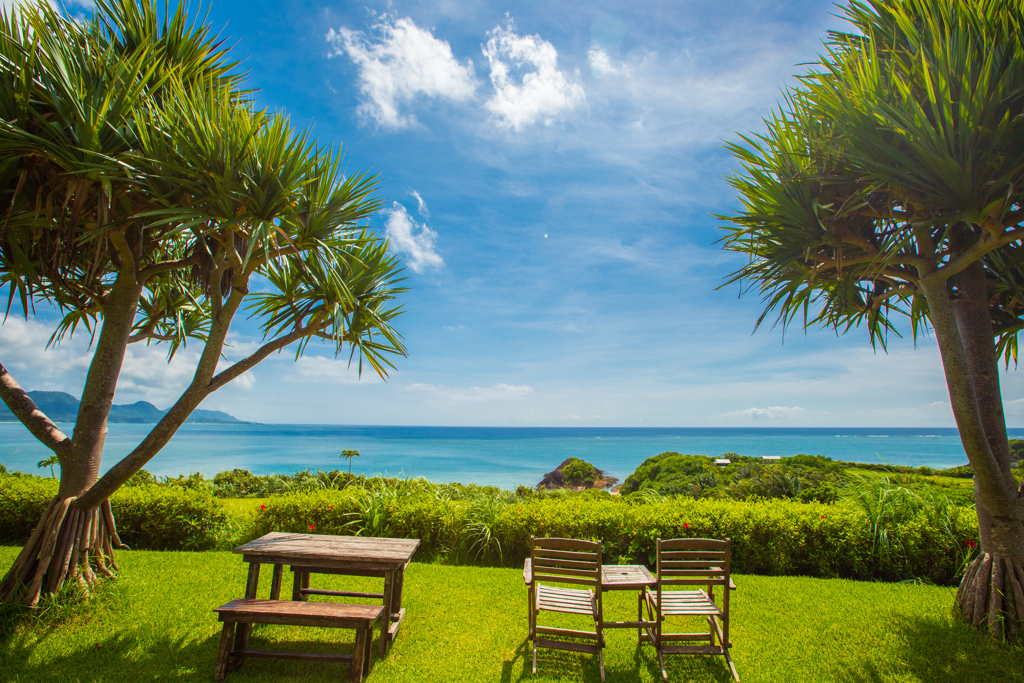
[69,544]
[991,595]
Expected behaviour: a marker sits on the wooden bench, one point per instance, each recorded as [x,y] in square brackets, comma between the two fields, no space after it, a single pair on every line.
[244,613]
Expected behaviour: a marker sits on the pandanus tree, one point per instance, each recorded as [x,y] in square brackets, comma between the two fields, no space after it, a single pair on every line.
[889,187]
[146,198]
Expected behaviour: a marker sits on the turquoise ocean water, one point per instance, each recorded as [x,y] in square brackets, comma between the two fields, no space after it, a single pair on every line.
[497,456]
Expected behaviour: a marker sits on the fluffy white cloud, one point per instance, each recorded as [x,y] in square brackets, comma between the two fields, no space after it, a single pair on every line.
[414,240]
[400,63]
[772,413]
[495,392]
[528,86]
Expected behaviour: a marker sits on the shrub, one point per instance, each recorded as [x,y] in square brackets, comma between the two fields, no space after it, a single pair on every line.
[23,499]
[149,516]
[579,473]
[158,517]
[770,536]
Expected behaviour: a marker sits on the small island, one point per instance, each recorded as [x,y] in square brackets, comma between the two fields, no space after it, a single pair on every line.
[576,475]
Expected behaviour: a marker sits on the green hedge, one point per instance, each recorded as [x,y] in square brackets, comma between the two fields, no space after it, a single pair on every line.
[888,537]
[774,537]
[148,516]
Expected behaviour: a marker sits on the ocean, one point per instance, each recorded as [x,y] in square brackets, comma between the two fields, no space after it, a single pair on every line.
[493,456]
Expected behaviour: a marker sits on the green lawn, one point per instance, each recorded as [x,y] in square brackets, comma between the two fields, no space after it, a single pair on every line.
[469,624]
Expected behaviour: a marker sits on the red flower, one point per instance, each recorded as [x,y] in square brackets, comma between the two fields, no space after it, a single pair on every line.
[685,525]
[332,507]
[971,544]
[310,527]
[823,516]
[263,507]
[520,509]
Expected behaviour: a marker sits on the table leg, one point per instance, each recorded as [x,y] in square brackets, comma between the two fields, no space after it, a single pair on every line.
[389,595]
[296,584]
[275,584]
[254,581]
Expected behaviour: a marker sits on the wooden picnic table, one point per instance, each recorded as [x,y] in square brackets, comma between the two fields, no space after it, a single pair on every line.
[308,554]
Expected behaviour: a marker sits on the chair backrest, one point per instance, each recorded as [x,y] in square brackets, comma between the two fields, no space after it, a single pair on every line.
[566,560]
[704,561]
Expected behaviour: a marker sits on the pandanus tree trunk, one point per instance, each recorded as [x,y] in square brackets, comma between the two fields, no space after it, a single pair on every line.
[72,538]
[991,593]
[69,545]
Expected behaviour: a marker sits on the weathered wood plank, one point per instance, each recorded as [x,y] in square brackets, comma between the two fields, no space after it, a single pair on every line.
[288,612]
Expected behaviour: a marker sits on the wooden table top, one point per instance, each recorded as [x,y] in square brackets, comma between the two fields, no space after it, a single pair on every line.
[319,549]
[613,576]
[625,576]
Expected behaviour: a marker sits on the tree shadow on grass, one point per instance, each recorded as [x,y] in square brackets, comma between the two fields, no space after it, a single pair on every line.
[937,650]
[125,658]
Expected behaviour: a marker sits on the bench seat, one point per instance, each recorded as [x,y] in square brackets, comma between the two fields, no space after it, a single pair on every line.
[241,614]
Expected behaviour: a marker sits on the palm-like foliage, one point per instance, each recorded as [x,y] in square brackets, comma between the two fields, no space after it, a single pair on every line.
[144,195]
[899,156]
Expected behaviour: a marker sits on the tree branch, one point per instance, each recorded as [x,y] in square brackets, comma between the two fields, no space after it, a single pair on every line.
[974,253]
[176,416]
[245,364]
[25,409]
[164,266]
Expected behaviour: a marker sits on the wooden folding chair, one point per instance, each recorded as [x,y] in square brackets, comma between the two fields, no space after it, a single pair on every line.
[691,562]
[565,561]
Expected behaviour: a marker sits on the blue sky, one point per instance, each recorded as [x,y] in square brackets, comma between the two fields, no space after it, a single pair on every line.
[550,171]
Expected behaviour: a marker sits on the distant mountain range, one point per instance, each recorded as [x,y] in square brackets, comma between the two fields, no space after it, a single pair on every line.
[61,407]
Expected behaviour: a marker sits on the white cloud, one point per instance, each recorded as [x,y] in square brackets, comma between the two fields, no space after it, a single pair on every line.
[495,392]
[422,208]
[601,63]
[414,240]
[772,413]
[330,370]
[399,64]
[540,93]
[1013,407]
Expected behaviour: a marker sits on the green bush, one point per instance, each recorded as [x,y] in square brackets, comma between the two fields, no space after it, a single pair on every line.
[927,540]
[23,499]
[158,517]
[579,473]
[149,516]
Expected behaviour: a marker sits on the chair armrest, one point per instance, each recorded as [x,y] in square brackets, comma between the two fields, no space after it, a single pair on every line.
[528,571]
[732,586]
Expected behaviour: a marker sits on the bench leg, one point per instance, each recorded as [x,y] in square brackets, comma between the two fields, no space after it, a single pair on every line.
[224,651]
[358,656]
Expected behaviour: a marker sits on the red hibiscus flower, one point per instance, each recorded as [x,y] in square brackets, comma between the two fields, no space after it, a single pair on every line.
[310,527]
[263,507]
[971,544]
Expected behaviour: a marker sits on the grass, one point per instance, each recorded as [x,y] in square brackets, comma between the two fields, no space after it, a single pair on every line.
[468,624]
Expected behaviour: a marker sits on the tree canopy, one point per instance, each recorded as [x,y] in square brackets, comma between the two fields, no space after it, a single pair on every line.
[146,196]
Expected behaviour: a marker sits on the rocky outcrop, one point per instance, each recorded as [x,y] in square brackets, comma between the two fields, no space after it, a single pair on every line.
[576,475]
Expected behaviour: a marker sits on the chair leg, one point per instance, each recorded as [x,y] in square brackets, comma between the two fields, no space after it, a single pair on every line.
[224,651]
[600,663]
[732,667]
[535,656]
[661,663]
